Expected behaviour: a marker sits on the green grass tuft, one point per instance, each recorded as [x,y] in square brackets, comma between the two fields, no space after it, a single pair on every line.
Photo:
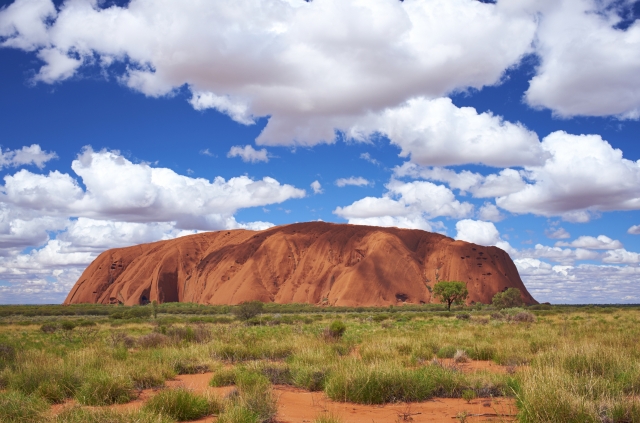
[16,407]
[179,404]
[103,388]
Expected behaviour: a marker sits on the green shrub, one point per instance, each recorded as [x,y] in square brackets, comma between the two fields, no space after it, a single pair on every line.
[16,407]
[102,388]
[509,298]
[179,404]
[247,310]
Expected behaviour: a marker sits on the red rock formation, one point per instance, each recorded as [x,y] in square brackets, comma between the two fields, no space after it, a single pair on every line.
[316,262]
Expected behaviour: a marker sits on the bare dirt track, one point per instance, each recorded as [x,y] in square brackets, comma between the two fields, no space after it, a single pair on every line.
[316,262]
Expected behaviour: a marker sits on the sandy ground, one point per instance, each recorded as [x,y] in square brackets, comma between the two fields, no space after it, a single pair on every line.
[300,406]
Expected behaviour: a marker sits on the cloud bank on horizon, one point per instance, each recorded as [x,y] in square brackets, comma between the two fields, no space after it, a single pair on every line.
[312,75]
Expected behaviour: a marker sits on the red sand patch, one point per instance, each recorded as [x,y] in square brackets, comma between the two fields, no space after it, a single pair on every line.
[297,406]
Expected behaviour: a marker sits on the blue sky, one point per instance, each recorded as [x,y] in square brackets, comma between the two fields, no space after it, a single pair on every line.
[512,123]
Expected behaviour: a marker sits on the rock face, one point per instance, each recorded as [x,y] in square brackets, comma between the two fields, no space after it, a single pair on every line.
[316,262]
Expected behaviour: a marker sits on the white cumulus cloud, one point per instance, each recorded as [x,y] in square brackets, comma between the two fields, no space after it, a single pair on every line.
[27,155]
[410,205]
[588,66]
[437,133]
[121,190]
[602,242]
[357,181]
[249,154]
[583,176]
[634,230]
[316,187]
[276,58]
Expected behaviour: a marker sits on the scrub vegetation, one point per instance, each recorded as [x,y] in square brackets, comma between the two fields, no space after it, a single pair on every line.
[561,363]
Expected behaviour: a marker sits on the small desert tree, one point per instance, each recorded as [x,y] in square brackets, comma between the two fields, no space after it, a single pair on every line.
[507,299]
[451,292]
[247,310]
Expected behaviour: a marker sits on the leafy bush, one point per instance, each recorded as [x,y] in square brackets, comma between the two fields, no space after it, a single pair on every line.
[179,404]
[247,310]
[509,298]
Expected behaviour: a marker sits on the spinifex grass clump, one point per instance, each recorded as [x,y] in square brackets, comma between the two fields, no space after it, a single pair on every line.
[105,388]
[223,377]
[253,404]
[590,382]
[179,404]
[385,382]
[43,374]
[85,415]
[16,407]
[328,418]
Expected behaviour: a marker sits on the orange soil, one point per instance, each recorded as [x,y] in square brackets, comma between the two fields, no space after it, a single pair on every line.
[316,262]
[298,406]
